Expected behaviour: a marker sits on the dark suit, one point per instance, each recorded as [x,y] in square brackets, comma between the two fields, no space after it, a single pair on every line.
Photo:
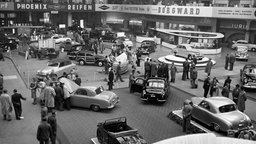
[118,73]
[16,97]
[110,80]
[59,98]
[44,132]
[53,123]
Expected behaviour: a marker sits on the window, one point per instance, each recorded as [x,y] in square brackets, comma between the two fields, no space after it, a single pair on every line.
[227,108]
[205,105]
[81,92]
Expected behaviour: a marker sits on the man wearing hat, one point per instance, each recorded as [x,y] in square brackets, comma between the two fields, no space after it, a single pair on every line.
[16,97]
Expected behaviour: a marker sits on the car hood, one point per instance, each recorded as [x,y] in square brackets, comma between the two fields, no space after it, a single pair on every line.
[234,117]
[46,70]
[106,95]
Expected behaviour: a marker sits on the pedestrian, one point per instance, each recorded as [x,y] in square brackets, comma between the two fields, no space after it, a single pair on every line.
[1,83]
[49,96]
[6,105]
[166,71]
[173,70]
[44,132]
[66,94]
[232,61]
[214,86]
[227,81]
[33,87]
[186,114]
[185,70]
[225,90]
[118,72]
[78,80]
[95,47]
[160,70]
[235,93]
[146,68]
[227,61]
[208,67]
[1,54]
[106,65]
[101,45]
[241,100]
[193,76]
[206,86]
[153,68]
[16,97]
[53,123]
[138,55]
[131,78]
[194,59]
[110,79]
[58,99]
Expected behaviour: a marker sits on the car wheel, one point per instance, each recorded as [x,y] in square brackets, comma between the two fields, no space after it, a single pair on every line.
[216,127]
[100,64]
[254,49]
[95,108]
[81,62]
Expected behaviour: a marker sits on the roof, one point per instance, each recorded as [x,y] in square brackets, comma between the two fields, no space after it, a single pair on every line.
[219,101]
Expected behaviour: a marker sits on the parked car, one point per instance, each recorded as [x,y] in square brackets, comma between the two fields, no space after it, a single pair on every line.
[251,47]
[66,46]
[73,51]
[248,76]
[60,38]
[147,47]
[95,98]
[187,51]
[117,131]
[58,66]
[108,37]
[220,113]
[7,42]
[89,57]
[242,53]
[154,88]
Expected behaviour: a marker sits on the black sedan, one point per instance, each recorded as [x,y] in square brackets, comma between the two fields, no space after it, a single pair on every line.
[154,88]
[248,76]
[147,47]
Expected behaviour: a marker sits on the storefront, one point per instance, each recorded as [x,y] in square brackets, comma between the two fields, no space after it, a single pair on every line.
[7,16]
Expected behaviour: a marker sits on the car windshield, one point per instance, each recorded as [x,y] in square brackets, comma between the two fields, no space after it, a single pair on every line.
[155,84]
[99,90]
[227,108]
[53,64]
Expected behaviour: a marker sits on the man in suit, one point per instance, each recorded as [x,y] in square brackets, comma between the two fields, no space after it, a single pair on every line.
[53,123]
[44,132]
[16,97]
[232,60]
[110,79]
[118,72]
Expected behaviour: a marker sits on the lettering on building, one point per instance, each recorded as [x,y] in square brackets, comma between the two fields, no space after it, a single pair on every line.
[178,10]
[79,7]
[31,6]
[3,5]
[239,26]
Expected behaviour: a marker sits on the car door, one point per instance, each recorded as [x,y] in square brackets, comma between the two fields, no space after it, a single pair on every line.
[203,112]
[90,58]
[138,85]
[80,98]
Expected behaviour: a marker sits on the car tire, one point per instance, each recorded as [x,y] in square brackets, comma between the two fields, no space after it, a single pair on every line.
[95,108]
[81,62]
[254,49]
[100,63]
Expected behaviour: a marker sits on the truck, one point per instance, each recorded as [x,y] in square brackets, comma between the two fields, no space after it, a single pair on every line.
[116,131]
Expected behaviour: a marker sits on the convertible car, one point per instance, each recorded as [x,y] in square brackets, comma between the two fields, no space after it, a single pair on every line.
[154,88]
[95,98]
[248,76]
[220,113]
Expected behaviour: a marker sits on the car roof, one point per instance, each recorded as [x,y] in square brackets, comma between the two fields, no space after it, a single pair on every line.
[219,101]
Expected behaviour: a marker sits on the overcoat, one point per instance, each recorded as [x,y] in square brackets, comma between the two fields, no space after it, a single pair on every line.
[241,100]
[6,104]
[49,94]
[173,70]
[208,67]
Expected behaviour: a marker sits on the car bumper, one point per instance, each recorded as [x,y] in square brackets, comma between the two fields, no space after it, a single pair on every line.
[113,104]
[153,98]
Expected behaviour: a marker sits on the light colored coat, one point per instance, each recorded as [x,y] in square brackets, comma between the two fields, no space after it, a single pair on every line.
[208,67]
[49,94]
[241,101]
[6,104]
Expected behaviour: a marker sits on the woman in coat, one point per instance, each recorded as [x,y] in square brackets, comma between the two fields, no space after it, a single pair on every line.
[241,100]
[6,105]
[208,67]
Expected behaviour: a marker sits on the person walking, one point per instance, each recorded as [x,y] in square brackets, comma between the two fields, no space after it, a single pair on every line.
[193,76]
[138,56]
[225,90]
[235,93]
[227,61]
[33,87]
[194,59]
[173,70]
[241,100]
[110,79]
[206,86]
[232,61]
[1,54]
[227,81]
[118,72]
[208,67]
[186,114]
[58,99]
[44,132]
[185,70]
[53,123]
[16,102]
[6,105]
[49,96]
[214,86]
[146,68]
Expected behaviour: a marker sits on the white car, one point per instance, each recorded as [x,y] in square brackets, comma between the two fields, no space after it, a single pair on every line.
[58,66]
[60,38]
[186,51]
[251,47]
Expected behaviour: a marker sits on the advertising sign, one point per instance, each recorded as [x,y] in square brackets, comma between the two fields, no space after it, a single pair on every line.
[234,12]
[140,9]
[5,6]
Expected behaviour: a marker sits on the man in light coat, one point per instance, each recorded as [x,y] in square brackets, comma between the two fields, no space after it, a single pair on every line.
[241,100]
[6,105]
[49,96]
[208,67]
[66,97]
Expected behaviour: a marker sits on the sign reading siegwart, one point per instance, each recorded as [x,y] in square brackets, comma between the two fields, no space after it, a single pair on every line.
[235,12]
[142,9]
[6,6]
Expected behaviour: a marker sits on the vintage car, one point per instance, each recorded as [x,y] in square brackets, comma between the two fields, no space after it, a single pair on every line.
[220,113]
[187,51]
[73,51]
[248,76]
[117,131]
[251,47]
[89,57]
[67,45]
[95,98]
[147,47]
[60,38]
[57,66]
[108,37]
[242,53]
[154,88]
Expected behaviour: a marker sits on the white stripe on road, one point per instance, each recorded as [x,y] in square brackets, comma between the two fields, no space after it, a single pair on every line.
[10,77]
